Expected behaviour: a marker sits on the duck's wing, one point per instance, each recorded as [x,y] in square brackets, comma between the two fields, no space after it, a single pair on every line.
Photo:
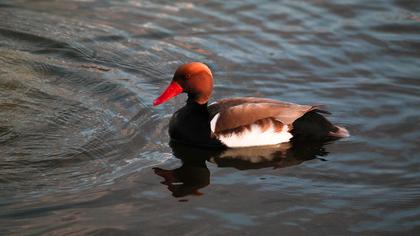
[226,103]
[234,113]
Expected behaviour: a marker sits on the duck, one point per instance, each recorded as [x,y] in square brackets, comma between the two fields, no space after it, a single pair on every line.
[239,121]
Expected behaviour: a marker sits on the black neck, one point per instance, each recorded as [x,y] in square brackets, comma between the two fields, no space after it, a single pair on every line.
[191,101]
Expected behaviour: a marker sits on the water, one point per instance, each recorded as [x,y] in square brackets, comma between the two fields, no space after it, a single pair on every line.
[83,152]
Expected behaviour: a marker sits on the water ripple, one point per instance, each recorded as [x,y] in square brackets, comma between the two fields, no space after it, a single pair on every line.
[78,135]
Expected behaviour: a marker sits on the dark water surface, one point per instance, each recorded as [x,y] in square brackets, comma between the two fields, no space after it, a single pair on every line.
[83,152]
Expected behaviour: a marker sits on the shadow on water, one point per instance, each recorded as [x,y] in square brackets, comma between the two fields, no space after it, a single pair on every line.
[194,175]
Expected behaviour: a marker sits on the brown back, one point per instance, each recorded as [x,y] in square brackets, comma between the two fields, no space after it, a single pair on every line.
[237,112]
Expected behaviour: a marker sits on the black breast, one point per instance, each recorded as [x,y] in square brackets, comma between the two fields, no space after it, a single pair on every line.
[191,125]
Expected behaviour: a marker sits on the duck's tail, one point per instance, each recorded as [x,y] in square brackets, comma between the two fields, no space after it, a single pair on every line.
[315,126]
[339,132]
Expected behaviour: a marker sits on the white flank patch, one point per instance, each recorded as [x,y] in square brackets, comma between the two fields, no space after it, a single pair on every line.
[213,122]
[255,136]
[212,103]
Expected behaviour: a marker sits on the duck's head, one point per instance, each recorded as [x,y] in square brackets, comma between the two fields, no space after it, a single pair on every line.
[193,78]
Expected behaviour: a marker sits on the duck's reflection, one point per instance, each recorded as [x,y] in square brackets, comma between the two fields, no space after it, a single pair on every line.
[194,174]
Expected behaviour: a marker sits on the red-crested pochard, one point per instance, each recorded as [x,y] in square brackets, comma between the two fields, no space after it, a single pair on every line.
[238,122]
